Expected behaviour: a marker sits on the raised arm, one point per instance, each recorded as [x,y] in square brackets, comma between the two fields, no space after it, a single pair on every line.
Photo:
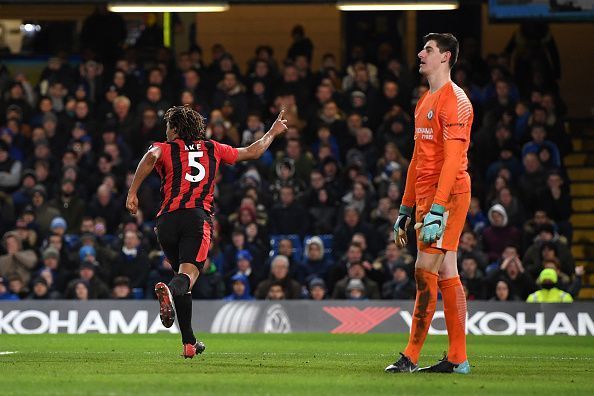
[259,147]
[145,167]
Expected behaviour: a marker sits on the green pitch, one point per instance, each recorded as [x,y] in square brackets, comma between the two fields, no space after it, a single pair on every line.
[297,364]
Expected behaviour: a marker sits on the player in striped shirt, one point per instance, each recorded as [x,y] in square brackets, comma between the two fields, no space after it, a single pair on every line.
[187,164]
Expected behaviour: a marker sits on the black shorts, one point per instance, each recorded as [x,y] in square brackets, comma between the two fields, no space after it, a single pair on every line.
[185,236]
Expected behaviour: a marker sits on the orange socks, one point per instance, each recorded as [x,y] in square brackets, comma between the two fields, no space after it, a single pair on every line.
[454,304]
[425,303]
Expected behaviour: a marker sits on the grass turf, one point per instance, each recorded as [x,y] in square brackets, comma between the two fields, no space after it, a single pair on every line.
[303,364]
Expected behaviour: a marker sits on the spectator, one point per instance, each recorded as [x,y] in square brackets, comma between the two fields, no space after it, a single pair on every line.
[78,289]
[317,289]
[240,287]
[94,287]
[16,261]
[121,288]
[279,275]
[41,290]
[244,267]
[355,290]
[316,262]
[132,262]
[472,277]
[548,245]
[51,270]
[10,169]
[502,292]
[70,206]
[356,270]
[301,45]
[512,270]
[288,216]
[499,234]
[276,291]
[5,294]
[548,292]
[401,287]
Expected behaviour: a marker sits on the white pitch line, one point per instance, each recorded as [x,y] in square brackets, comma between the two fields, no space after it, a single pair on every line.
[7,352]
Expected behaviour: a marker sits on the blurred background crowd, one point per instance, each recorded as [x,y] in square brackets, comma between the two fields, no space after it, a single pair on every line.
[313,217]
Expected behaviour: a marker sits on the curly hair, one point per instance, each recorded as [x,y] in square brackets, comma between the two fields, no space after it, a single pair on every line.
[187,123]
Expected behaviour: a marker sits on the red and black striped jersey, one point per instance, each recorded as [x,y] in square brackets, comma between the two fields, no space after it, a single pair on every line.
[188,171]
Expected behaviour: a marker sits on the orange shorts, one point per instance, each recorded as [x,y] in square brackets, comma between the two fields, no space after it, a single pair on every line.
[454,217]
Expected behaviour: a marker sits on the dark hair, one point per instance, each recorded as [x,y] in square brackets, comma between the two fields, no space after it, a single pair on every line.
[445,42]
[186,122]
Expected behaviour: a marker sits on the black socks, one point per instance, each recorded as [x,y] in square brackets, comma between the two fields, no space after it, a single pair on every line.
[179,285]
[183,308]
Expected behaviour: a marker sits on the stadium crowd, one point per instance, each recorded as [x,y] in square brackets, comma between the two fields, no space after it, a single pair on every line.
[313,217]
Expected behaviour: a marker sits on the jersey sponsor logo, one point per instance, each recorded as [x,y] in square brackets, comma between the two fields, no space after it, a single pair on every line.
[460,124]
[430,114]
[425,133]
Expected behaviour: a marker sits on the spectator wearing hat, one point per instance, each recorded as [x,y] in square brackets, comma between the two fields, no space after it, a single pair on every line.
[571,285]
[51,270]
[230,251]
[240,288]
[356,290]
[16,260]
[121,288]
[41,290]
[499,234]
[356,270]
[58,226]
[24,195]
[96,287]
[5,293]
[44,212]
[549,293]
[401,287]
[279,275]
[72,208]
[10,169]
[317,289]
[243,260]
[548,245]
[315,263]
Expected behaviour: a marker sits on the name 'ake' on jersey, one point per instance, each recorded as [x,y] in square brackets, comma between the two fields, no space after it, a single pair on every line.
[188,171]
[439,116]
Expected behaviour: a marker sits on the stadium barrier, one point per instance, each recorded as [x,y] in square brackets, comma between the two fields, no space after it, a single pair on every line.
[127,317]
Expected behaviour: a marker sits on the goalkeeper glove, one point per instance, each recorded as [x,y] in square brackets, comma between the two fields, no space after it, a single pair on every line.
[401,225]
[433,224]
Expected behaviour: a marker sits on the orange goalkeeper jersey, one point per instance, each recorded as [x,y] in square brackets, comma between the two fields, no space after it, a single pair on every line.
[439,116]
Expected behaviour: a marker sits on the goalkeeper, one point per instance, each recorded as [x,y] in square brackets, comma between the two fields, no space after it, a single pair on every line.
[439,186]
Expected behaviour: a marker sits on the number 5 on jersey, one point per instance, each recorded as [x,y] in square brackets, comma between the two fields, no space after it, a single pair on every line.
[193,163]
